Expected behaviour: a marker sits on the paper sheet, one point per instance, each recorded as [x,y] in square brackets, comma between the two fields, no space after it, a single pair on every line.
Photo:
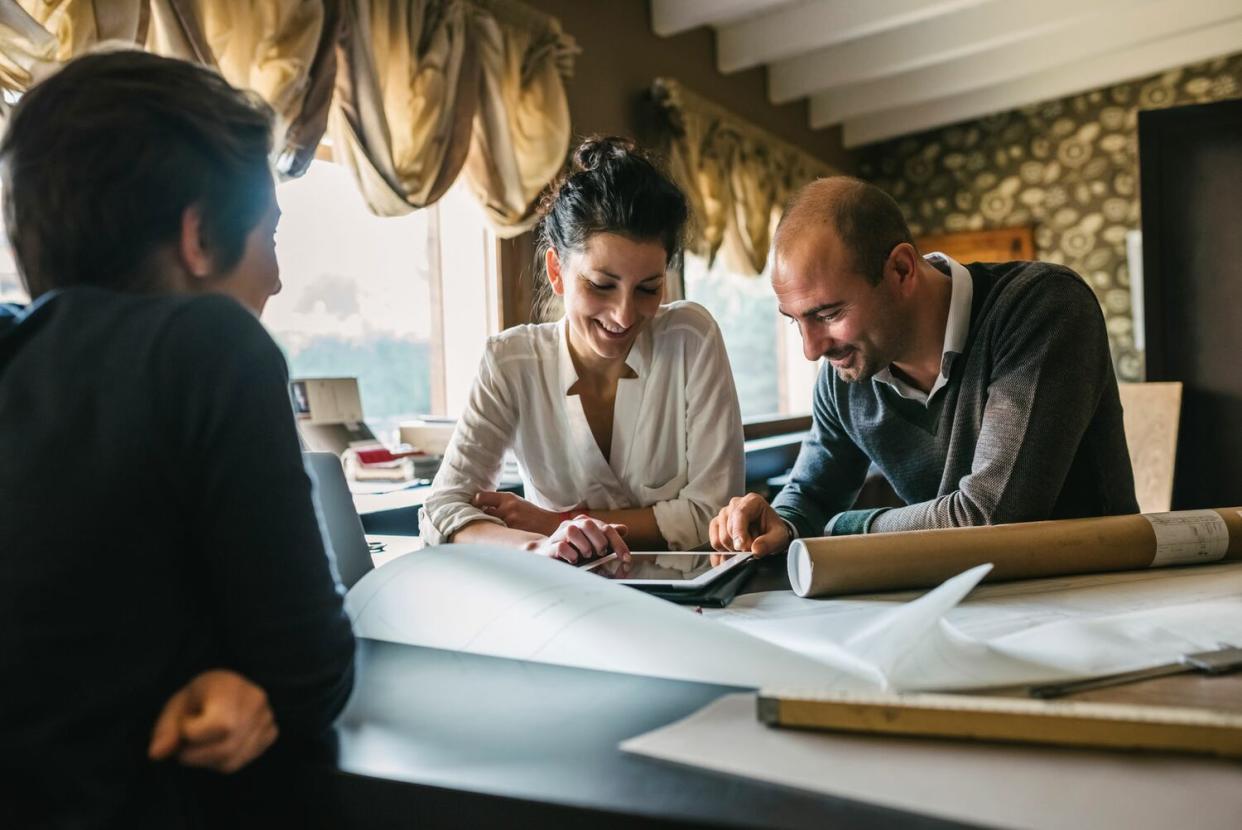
[995,785]
[958,636]
[1030,632]
[506,603]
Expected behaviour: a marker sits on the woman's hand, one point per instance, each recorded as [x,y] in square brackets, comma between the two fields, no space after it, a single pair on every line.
[219,720]
[517,513]
[583,538]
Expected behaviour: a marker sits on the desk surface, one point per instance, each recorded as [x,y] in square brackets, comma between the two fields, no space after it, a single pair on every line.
[469,740]
[543,739]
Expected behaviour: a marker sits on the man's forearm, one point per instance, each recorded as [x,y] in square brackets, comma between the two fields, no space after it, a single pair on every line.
[799,513]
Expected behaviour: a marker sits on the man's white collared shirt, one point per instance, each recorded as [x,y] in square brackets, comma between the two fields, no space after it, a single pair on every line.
[676,438]
[956,330]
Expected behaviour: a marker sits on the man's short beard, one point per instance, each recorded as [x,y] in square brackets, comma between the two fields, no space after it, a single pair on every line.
[862,365]
[857,374]
[853,376]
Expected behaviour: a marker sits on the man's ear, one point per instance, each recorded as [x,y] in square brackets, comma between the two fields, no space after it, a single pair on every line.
[552,264]
[191,246]
[903,260]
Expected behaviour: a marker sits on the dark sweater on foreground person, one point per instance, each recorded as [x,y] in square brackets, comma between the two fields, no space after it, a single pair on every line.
[156,522]
[1027,428]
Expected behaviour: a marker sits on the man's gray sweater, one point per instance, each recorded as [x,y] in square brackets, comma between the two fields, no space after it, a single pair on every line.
[1028,426]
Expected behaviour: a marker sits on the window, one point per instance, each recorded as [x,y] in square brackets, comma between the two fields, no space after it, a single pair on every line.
[356,294]
[363,295]
[771,375]
[11,290]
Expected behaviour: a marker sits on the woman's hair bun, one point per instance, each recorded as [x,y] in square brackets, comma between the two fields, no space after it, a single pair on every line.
[611,186]
[598,150]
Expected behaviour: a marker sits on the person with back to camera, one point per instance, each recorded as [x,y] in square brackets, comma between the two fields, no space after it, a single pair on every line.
[167,609]
[623,414]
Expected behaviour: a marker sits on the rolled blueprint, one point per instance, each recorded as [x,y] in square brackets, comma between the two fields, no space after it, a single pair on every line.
[925,558]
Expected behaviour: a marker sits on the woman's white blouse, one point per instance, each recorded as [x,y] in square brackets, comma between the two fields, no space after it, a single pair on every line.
[676,434]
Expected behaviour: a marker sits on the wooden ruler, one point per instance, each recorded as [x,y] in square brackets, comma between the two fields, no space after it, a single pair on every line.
[1063,723]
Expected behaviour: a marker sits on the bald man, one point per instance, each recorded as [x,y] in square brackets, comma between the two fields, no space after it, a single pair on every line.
[984,393]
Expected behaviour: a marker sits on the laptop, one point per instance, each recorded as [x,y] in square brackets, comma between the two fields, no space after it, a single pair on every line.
[342,531]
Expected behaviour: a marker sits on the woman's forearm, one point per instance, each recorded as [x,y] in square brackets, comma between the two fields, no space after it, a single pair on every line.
[490,533]
[642,532]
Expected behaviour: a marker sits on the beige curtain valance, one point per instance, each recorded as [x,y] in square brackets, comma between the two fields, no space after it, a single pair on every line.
[522,131]
[429,88]
[414,92]
[737,176]
[282,49]
[36,36]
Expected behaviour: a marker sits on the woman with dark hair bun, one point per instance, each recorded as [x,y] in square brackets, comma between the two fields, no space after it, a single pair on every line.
[622,414]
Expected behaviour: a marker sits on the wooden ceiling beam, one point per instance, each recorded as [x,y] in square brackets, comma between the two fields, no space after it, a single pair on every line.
[807,26]
[672,17]
[963,33]
[1093,72]
[1098,34]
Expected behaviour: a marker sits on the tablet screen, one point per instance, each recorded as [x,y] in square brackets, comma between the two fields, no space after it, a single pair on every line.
[688,569]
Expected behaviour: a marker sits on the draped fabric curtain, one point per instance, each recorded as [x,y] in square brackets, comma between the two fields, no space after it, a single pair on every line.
[413,92]
[25,48]
[36,36]
[737,176]
[284,50]
[405,99]
[427,89]
[522,130]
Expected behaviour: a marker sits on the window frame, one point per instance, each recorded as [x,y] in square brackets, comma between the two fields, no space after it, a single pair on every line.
[790,374]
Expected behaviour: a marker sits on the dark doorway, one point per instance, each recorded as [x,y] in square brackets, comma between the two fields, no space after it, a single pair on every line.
[1191,167]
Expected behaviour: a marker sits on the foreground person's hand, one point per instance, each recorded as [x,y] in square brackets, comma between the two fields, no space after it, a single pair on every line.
[747,524]
[583,538]
[219,721]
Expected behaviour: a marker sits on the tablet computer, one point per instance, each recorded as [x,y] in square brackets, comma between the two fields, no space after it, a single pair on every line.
[688,570]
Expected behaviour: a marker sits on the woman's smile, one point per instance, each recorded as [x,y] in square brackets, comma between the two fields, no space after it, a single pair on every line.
[612,332]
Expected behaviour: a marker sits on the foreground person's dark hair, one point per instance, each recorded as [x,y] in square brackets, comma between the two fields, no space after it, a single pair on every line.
[101,160]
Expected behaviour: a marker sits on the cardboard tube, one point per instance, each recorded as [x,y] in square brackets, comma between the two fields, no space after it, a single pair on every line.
[924,558]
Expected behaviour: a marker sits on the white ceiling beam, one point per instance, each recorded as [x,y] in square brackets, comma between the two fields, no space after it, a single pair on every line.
[672,17]
[957,35]
[817,23]
[1072,78]
[1099,34]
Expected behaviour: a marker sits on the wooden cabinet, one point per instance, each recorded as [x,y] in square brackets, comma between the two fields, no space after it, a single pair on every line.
[1000,245]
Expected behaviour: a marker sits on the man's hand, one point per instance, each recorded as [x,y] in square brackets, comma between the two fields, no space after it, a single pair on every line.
[748,524]
[219,721]
[517,513]
[583,538]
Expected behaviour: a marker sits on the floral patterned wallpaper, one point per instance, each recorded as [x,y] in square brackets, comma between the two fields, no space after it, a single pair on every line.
[1068,167]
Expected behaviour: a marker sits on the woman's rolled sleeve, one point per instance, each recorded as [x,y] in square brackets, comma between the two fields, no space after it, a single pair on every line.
[715,459]
[473,459]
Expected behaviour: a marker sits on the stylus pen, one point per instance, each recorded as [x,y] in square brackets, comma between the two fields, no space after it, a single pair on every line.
[590,566]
